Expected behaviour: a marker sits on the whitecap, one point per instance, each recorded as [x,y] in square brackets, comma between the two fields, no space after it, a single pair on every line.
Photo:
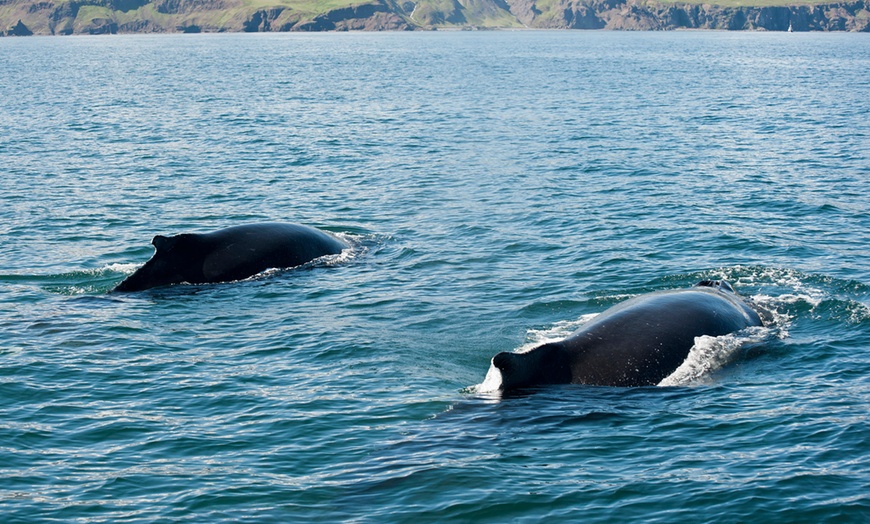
[119,267]
[491,383]
[710,354]
[554,333]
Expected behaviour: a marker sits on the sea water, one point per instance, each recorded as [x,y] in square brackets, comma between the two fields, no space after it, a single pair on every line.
[498,189]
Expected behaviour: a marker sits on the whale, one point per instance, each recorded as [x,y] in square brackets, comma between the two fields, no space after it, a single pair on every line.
[638,342]
[230,254]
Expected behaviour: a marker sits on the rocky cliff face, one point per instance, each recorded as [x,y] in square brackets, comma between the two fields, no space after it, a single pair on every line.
[643,15]
[366,17]
[53,17]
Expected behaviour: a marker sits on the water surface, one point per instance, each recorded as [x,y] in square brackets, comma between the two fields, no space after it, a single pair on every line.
[498,189]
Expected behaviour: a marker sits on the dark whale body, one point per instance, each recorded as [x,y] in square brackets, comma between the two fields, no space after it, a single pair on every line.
[230,254]
[638,342]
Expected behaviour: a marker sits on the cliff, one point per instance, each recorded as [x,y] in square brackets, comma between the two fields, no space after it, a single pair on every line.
[648,15]
[65,17]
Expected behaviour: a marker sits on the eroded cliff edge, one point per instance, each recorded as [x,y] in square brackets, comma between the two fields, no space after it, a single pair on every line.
[65,17]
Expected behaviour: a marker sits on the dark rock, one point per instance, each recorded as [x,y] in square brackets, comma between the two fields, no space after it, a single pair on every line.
[101,26]
[187,6]
[18,29]
[646,15]
[139,26]
[773,18]
[261,21]
[365,17]
[126,5]
[39,6]
[582,17]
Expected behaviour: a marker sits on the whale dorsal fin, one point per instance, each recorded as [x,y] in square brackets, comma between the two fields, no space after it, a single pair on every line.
[163,243]
[721,285]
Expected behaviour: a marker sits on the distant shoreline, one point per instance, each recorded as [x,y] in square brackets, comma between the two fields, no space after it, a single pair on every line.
[57,17]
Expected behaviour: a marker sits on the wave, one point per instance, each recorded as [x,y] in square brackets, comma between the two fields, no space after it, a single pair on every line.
[77,282]
[710,354]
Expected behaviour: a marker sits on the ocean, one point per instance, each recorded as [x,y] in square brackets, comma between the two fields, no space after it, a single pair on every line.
[498,190]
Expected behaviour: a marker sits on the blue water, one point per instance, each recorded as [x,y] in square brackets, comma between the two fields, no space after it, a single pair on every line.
[498,189]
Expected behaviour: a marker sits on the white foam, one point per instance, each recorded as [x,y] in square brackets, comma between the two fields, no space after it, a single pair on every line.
[128,268]
[345,256]
[554,333]
[534,338]
[860,313]
[491,383]
[709,354]
[355,250]
[774,309]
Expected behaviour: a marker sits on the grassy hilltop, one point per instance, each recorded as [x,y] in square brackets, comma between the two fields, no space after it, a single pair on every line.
[64,17]
[144,16]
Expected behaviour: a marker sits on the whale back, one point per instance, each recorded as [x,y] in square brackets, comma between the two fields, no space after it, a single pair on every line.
[230,254]
[170,264]
[547,364]
[643,340]
[635,343]
[239,252]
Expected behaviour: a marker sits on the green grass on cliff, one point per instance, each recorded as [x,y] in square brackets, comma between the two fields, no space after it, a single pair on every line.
[307,6]
[748,3]
[229,15]
[232,15]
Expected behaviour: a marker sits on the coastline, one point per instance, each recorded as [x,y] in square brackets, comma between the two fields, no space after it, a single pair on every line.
[54,17]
